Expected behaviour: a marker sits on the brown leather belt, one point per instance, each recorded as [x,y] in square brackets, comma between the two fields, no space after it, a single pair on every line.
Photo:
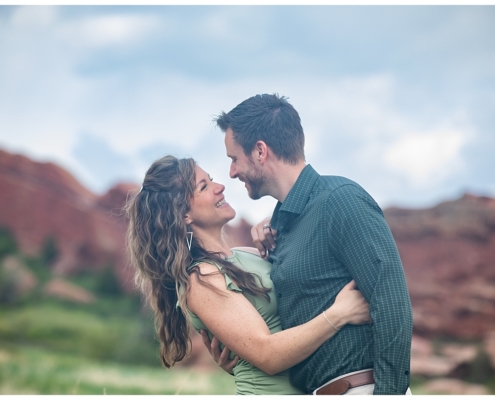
[342,385]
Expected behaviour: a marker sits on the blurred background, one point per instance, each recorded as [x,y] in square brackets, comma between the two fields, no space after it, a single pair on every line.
[400,99]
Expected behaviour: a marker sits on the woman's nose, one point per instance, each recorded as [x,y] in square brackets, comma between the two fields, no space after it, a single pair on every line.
[220,188]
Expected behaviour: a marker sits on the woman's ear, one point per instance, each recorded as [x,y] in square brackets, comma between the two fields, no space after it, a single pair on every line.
[188,219]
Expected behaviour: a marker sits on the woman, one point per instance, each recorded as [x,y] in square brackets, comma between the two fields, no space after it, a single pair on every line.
[192,277]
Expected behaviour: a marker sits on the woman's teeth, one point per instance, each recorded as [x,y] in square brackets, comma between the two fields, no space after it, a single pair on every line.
[221,202]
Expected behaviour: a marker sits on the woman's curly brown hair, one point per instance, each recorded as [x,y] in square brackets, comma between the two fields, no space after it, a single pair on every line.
[156,241]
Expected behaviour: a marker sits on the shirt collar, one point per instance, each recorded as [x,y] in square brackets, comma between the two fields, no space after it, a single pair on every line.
[298,196]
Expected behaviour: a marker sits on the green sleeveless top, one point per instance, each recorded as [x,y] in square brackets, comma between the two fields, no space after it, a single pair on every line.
[248,378]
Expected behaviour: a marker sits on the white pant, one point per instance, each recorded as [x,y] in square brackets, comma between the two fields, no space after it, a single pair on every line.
[367,389]
[360,390]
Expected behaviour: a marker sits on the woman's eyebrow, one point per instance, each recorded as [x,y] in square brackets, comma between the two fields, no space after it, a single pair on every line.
[200,182]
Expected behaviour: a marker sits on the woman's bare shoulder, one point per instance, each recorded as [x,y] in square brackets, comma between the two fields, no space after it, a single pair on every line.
[206,267]
[206,273]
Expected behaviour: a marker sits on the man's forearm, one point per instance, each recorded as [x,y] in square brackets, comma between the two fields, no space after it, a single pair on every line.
[392,341]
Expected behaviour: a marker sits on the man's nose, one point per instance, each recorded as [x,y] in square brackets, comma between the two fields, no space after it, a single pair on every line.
[233,172]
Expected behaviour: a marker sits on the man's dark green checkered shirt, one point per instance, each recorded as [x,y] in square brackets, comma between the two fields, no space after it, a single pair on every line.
[331,231]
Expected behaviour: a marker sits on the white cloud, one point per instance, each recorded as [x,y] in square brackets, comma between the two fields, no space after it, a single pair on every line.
[359,125]
[228,25]
[110,30]
[428,157]
[33,18]
[360,100]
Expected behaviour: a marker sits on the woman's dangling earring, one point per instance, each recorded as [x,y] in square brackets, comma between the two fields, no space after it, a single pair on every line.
[189,236]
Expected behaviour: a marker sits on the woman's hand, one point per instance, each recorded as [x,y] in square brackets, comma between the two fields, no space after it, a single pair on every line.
[221,357]
[350,307]
[264,237]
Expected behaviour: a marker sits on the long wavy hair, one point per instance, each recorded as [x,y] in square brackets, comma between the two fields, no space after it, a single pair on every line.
[156,241]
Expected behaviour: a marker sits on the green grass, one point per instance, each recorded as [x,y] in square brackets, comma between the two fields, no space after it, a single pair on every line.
[52,347]
[82,331]
[33,370]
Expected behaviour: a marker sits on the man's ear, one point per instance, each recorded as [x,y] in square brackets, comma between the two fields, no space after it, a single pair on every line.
[260,151]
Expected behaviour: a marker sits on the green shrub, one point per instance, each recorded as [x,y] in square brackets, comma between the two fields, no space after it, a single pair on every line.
[83,331]
[49,251]
[9,292]
[8,244]
[108,283]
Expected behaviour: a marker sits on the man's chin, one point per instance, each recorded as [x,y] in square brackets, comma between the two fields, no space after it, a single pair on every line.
[254,196]
[248,190]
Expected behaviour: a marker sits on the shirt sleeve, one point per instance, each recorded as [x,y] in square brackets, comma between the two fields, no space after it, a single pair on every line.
[362,241]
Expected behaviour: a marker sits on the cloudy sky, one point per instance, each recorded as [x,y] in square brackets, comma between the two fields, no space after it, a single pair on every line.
[399,98]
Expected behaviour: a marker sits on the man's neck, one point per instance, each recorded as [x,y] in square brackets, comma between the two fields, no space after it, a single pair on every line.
[284,176]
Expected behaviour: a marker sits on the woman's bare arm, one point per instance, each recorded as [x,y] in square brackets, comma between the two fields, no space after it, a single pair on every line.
[235,322]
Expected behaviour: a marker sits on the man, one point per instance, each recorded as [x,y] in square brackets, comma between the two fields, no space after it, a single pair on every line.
[328,231]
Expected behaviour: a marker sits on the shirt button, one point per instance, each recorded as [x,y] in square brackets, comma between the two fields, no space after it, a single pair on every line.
[279,295]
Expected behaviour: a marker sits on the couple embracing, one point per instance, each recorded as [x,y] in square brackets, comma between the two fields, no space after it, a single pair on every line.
[320,306]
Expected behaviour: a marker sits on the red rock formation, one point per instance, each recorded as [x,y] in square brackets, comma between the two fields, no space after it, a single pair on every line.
[39,200]
[67,291]
[448,251]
